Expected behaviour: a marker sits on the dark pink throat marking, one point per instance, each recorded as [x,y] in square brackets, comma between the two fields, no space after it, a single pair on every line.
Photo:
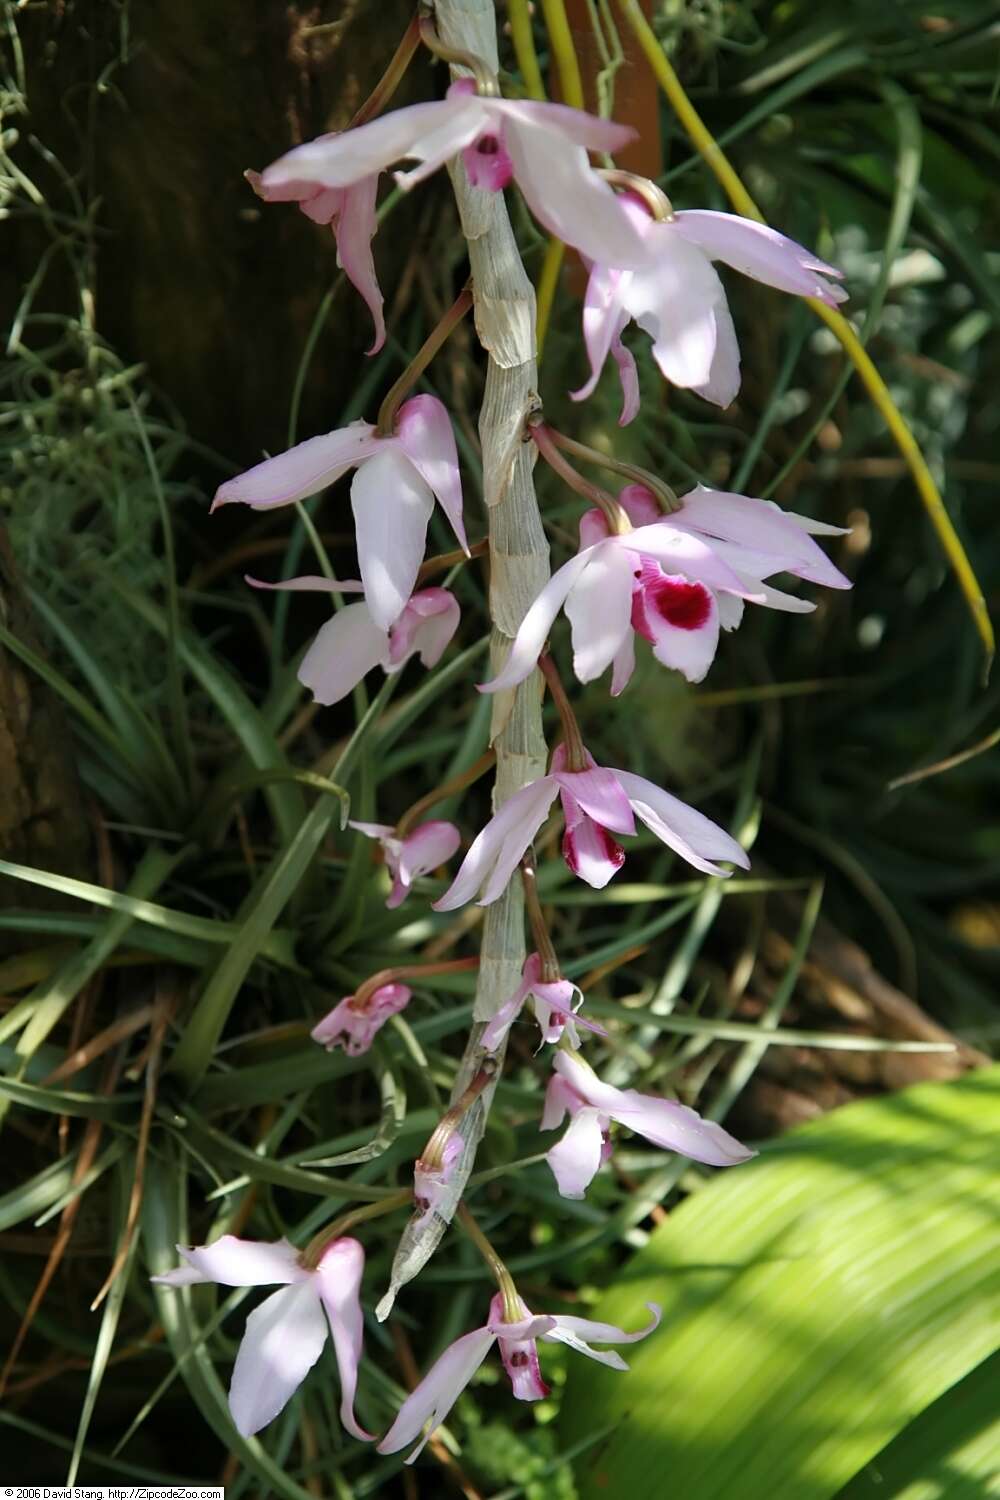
[684,605]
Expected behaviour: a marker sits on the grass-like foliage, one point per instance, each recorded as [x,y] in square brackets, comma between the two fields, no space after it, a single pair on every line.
[157,1080]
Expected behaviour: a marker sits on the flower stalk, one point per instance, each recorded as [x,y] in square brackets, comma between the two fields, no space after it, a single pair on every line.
[576,755]
[543,437]
[654,198]
[438,336]
[665,497]
[364,991]
[551,972]
[505,1282]
[313,1253]
[485,77]
[391,78]
[456,783]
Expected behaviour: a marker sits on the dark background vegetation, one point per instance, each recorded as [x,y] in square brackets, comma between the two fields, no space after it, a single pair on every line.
[166,328]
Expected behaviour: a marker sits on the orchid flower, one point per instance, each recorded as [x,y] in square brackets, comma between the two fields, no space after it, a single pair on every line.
[555,1011]
[596,803]
[392,493]
[441,1387]
[351,643]
[350,213]
[678,299]
[575,1089]
[285,1335]
[417,854]
[353,1023]
[431,1179]
[645,581]
[542,147]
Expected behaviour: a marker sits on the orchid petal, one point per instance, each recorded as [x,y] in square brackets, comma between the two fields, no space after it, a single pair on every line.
[598,791]
[577,1157]
[392,505]
[639,504]
[623,665]
[347,157]
[669,545]
[309,583]
[534,628]
[560,1098]
[604,318]
[283,1340]
[354,228]
[425,434]
[592,132]
[304,470]
[567,196]
[426,625]
[437,1393]
[689,833]
[723,383]
[576,1333]
[678,1128]
[495,853]
[761,527]
[373,830]
[673,299]
[338,1277]
[679,618]
[427,847]
[347,647]
[760,252]
[598,608]
[588,849]
[235,1262]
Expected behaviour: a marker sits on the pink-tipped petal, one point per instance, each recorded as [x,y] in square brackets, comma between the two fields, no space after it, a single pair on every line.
[392,505]
[235,1262]
[568,198]
[673,299]
[535,627]
[578,1333]
[373,830]
[760,252]
[425,434]
[347,647]
[283,1340]
[723,383]
[426,625]
[495,853]
[588,849]
[592,132]
[427,847]
[560,1099]
[628,374]
[689,833]
[597,790]
[355,1026]
[598,608]
[304,470]
[338,1278]
[340,159]
[639,504]
[354,228]
[437,1393]
[594,528]
[575,1160]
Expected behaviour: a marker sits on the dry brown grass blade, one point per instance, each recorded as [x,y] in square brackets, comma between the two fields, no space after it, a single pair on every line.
[88,1151]
[80,1057]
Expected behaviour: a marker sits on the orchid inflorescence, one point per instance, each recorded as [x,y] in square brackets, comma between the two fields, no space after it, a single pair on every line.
[674,570]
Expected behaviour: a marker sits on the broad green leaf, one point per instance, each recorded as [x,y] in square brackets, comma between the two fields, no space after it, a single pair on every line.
[814,1303]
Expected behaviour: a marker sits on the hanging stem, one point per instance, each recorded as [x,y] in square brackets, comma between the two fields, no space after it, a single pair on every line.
[576,755]
[313,1253]
[391,78]
[418,364]
[445,560]
[661,491]
[486,79]
[447,788]
[713,155]
[365,991]
[551,972]
[542,436]
[508,1291]
[655,199]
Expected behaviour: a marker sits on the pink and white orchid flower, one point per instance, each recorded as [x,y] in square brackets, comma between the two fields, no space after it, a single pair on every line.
[441,1387]
[353,1024]
[597,803]
[543,147]
[575,1089]
[644,581]
[351,642]
[285,1335]
[421,851]
[678,299]
[555,1011]
[392,493]
[350,213]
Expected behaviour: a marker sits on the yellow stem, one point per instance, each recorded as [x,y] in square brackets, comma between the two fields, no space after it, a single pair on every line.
[711,153]
[524,48]
[564,52]
[545,293]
